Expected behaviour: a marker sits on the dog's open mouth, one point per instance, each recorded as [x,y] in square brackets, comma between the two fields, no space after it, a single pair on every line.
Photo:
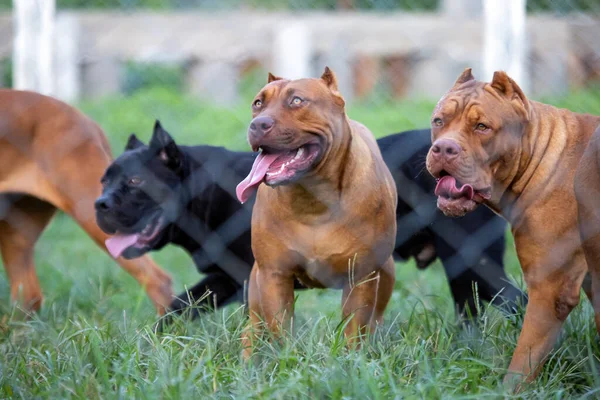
[277,167]
[456,199]
[120,242]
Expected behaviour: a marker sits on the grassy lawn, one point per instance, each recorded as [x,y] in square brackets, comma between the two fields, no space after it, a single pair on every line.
[94,339]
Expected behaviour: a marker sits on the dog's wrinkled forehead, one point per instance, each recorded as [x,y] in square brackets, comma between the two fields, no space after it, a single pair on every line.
[472,102]
[132,162]
[308,89]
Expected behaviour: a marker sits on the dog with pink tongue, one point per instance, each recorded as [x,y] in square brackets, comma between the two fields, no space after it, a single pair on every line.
[325,207]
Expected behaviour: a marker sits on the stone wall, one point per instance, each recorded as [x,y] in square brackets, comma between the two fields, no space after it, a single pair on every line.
[410,54]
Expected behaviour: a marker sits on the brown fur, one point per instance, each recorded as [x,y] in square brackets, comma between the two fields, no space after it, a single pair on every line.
[587,190]
[528,156]
[52,157]
[335,227]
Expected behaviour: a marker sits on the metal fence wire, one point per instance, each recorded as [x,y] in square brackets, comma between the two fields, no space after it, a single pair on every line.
[384,52]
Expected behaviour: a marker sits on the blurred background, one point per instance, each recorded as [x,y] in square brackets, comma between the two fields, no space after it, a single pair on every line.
[218,52]
[197,64]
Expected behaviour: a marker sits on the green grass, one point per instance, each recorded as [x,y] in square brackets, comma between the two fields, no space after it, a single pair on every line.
[94,336]
[193,122]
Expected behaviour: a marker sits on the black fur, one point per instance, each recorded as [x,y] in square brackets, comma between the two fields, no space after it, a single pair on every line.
[195,189]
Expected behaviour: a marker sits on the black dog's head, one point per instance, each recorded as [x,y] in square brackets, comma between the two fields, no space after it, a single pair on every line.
[140,195]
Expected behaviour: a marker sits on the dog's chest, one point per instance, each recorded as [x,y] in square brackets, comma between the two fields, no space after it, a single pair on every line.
[320,274]
[327,253]
[321,242]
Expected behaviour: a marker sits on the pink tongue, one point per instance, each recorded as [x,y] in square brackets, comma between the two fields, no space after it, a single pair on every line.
[246,187]
[446,187]
[117,244]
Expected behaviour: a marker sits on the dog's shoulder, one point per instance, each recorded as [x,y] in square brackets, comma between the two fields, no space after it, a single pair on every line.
[218,170]
[218,159]
[215,173]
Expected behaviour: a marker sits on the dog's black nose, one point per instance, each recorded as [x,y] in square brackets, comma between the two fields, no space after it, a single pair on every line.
[260,126]
[103,203]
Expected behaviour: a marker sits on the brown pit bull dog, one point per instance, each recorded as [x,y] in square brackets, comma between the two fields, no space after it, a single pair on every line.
[52,157]
[326,214]
[493,146]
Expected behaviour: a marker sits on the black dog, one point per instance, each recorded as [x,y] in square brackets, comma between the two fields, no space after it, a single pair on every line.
[165,193]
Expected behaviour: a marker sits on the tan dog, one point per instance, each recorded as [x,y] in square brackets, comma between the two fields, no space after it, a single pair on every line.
[587,191]
[493,146]
[326,214]
[52,157]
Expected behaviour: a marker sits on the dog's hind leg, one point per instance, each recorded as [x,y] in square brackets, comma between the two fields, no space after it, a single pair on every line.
[595,277]
[485,271]
[215,290]
[22,220]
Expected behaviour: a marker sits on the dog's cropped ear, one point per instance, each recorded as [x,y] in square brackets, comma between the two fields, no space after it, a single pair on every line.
[507,87]
[133,142]
[466,76]
[330,80]
[273,78]
[165,147]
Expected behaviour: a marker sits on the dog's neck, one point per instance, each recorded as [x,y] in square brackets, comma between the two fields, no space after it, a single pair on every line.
[320,190]
[188,229]
[521,186]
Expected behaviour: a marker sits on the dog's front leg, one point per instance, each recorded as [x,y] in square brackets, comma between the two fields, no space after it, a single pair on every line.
[270,304]
[540,331]
[365,300]
[554,279]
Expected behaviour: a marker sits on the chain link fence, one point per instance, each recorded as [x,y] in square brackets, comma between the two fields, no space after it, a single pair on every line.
[196,65]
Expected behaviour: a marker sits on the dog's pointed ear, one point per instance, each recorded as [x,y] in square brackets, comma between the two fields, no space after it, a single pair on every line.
[133,142]
[503,83]
[160,137]
[506,86]
[165,146]
[330,80]
[273,78]
[466,76]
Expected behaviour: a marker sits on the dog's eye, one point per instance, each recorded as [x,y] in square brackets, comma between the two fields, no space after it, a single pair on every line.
[135,181]
[296,101]
[482,127]
[257,103]
[437,122]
